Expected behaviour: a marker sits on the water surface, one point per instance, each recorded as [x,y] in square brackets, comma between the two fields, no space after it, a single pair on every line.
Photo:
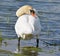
[49,14]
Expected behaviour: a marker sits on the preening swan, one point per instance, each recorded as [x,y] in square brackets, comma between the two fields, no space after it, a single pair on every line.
[27,23]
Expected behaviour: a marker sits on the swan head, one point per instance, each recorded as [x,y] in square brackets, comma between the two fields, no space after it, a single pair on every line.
[26,9]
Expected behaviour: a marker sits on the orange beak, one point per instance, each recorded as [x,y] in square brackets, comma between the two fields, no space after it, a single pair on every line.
[33,14]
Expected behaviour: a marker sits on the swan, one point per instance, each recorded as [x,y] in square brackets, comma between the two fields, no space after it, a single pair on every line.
[27,23]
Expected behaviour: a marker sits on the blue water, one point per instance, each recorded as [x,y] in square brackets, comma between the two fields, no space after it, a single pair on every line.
[48,12]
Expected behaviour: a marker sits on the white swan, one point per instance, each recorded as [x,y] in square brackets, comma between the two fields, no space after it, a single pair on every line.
[28,24]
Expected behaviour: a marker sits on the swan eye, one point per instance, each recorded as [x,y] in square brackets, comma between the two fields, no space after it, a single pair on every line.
[32,11]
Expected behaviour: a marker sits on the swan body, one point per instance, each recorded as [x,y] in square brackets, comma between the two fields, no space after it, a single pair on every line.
[27,24]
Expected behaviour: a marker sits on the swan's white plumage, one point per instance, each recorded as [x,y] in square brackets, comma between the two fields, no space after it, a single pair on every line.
[27,24]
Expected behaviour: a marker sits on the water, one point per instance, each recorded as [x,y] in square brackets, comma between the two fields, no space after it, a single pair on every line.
[49,14]
[9,47]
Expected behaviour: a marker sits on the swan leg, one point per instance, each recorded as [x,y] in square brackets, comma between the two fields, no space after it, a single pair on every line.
[37,41]
[19,44]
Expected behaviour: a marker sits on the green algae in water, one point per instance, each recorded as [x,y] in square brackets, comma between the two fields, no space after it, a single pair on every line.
[8,53]
[1,39]
[32,49]
[19,55]
[1,36]
[29,51]
[4,51]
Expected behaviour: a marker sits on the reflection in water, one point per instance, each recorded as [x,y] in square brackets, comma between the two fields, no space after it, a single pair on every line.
[5,43]
[28,51]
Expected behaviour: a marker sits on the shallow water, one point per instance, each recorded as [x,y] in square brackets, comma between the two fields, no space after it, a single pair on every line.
[11,48]
[49,14]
